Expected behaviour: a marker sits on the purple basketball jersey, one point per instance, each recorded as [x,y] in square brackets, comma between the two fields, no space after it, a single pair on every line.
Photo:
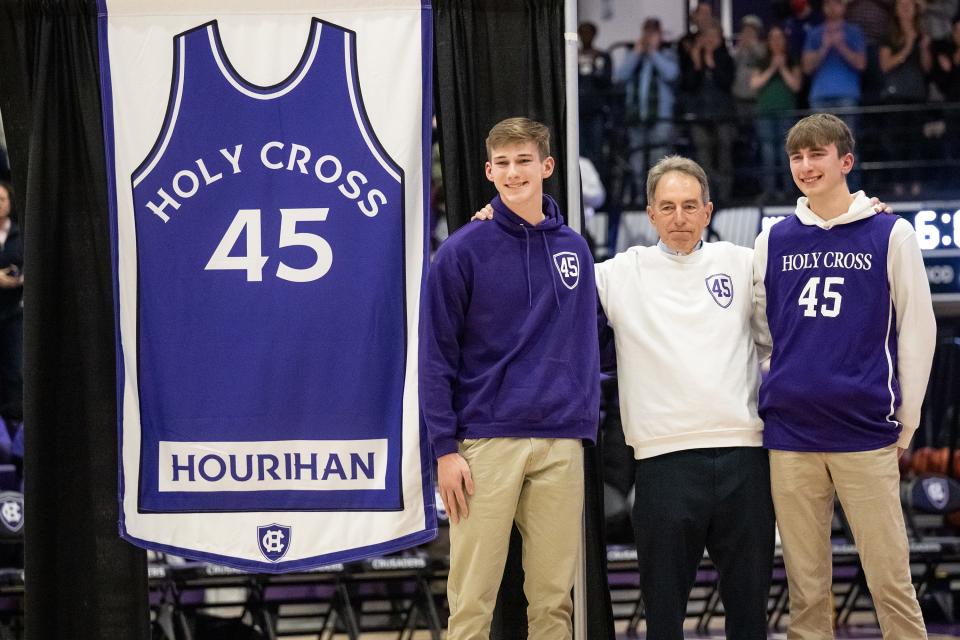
[271,284]
[832,384]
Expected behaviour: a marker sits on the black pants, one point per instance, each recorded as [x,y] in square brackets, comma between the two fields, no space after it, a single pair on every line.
[718,499]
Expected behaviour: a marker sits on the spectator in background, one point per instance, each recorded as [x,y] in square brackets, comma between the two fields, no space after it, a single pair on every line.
[905,61]
[649,73]
[803,17]
[591,188]
[873,17]
[592,195]
[11,301]
[946,68]
[834,56]
[777,81]
[700,18]
[747,54]
[946,75]
[938,18]
[707,77]
[748,51]
[594,87]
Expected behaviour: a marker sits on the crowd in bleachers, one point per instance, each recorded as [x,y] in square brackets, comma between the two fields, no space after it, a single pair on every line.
[889,68]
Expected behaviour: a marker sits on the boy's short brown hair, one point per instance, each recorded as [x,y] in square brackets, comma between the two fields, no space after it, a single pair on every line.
[819,130]
[518,131]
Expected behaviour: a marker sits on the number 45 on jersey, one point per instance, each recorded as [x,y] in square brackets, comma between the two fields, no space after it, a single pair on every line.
[253,261]
[809,297]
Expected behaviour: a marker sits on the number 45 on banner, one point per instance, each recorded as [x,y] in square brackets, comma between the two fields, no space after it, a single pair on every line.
[253,261]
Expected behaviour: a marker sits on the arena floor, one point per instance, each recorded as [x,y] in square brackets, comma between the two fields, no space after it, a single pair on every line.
[865,632]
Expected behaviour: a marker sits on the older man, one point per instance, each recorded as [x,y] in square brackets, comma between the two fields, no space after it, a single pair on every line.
[681,313]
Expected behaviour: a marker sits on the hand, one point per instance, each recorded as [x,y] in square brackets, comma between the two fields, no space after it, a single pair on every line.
[708,59]
[839,37]
[880,207]
[10,278]
[778,61]
[944,62]
[484,214]
[831,38]
[453,475]
[696,55]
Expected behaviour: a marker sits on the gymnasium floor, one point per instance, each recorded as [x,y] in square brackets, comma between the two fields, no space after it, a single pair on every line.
[865,632]
[868,630]
[850,634]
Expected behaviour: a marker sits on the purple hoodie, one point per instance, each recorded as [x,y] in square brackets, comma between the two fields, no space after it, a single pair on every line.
[508,334]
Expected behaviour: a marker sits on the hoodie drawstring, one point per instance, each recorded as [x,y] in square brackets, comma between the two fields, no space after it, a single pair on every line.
[553,279]
[529,285]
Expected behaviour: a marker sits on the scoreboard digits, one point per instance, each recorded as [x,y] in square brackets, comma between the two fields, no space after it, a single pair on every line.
[937,229]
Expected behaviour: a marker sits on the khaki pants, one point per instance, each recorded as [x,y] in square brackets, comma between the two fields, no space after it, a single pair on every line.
[537,482]
[868,485]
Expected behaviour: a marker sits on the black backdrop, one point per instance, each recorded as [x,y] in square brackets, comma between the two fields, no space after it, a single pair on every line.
[82,580]
[494,59]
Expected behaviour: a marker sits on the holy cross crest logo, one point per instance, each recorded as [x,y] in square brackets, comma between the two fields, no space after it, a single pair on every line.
[720,286]
[274,541]
[938,491]
[568,265]
[11,511]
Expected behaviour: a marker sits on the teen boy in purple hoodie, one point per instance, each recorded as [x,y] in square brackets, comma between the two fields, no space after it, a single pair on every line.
[509,389]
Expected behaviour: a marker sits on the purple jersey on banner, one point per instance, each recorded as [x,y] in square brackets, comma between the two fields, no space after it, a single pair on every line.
[832,384]
[271,308]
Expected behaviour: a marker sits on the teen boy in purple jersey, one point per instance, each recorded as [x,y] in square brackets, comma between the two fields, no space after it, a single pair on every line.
[852,333]
[509,389]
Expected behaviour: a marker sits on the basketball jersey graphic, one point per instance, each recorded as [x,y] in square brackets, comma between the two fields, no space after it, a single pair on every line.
[270,343]
[832,384]
[294,223]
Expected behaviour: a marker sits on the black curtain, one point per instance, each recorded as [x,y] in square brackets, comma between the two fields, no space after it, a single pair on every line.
[495,59]
[82,581]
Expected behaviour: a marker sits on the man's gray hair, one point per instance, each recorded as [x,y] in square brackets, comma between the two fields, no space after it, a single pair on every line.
[681,165]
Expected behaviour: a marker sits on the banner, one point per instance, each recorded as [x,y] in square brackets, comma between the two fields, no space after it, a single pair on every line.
[269,183]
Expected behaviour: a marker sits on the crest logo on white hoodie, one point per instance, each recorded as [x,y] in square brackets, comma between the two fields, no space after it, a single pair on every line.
[720,286]
[568,265]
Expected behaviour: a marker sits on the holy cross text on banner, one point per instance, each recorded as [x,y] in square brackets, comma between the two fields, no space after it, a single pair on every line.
[268,165]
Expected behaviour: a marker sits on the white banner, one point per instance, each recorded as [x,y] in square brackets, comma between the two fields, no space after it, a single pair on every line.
[269,170]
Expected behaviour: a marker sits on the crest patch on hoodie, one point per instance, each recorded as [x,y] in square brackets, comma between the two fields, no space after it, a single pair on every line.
[720,286]
[568,265]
